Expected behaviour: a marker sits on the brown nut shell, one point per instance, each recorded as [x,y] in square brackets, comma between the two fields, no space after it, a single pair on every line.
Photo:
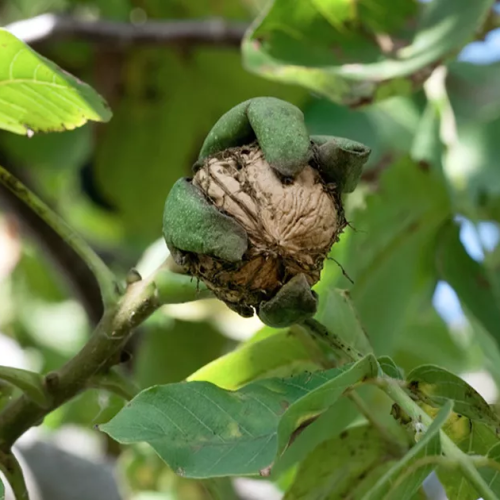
[291,225]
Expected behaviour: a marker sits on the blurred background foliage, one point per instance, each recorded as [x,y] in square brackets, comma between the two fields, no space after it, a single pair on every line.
[421,249]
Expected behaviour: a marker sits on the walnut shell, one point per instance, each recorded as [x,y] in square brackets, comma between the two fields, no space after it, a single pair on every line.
[291,225]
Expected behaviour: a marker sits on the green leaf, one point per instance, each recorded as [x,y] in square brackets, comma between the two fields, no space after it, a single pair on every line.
[470,167]
[337,314]
[314,403]
[343,467]
[468,279]
[389,254]
[38,96]
[283,354]
[489,347]
[170,350]
[327,426]
[471,93]
[201,430]
[32,384]
[492,475]
[330,46]
[473,438]
[375,125]
[390,367]
[2,491]
[427,339]
[474,90]
[402,481]
[435,386]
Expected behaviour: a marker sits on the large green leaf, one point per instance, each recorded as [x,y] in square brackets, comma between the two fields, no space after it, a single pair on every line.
[436,386]
[376,125]
[201,430]
[38,96]
[327,426]
[468,279]
[474,90]
[282,354]
[427,339]
[343,466]
[471,159]
[170,350]
[491,475]
[403,479]
[390,251]
[337,313]
[334,47]
[316,402]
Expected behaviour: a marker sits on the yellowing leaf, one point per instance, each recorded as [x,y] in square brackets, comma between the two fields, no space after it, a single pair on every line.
[38,96]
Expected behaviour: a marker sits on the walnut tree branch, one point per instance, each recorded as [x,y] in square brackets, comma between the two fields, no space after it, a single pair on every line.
[52,26]
[101,351]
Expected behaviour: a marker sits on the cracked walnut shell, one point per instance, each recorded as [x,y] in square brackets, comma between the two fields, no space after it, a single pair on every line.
[291,224]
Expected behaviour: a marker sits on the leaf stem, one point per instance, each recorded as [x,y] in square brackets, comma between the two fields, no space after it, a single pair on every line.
[105,278]
[13,472]
[394,390]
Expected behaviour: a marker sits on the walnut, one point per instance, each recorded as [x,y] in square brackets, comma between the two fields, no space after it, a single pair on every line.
[291,225]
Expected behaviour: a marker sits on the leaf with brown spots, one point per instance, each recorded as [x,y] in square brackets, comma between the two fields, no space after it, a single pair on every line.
[436,386]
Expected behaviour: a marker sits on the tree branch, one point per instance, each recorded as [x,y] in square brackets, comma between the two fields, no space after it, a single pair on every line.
[51,26]
[101,351]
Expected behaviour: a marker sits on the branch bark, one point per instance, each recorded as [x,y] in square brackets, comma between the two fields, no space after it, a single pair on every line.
[52,26]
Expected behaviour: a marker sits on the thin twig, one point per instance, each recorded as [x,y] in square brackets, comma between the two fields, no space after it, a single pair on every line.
[53,26]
